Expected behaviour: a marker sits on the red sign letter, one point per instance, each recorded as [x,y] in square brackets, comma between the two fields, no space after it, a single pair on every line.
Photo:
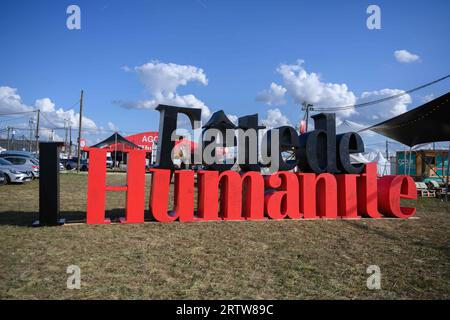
[391,189]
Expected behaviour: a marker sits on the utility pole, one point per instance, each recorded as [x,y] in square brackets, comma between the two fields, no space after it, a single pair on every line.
[7,137]
[115,151]
[13,133]
[70,142]
[387,150]
[31,122]
[37,130]
[79,132]
[66,134]
[306,107]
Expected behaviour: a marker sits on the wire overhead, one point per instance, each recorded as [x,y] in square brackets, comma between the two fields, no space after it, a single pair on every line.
[365,104]
[15,113]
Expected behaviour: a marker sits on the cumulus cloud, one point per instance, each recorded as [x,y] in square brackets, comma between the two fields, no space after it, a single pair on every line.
[112,126]
[162,80]
[51,116]
[233,118]
[11,102]
[404,56]
[428,98]
[273,96]
[303,86]
[58,116]
[275,118]
[383,110]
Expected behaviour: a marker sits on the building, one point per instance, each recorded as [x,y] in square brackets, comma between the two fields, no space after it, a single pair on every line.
[423,164]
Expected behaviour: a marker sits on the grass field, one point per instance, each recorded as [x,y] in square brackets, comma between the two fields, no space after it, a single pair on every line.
[287,259]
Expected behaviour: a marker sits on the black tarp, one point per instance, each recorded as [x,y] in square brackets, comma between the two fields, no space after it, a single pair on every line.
[115,138]
[428,123]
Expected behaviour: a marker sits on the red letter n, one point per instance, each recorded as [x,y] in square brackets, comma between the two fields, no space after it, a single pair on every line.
[318,195]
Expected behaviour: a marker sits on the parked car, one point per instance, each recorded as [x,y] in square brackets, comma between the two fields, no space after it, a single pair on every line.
[31,163]
[18,153]
[73,163]
[2,178]
[15,173]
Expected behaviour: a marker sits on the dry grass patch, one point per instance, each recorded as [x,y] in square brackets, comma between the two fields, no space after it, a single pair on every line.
[263,260]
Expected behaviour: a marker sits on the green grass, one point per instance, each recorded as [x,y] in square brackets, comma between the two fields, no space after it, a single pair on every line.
[287,259]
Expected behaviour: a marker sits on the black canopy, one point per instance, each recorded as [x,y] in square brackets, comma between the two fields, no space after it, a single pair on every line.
[115,138]
[427,123]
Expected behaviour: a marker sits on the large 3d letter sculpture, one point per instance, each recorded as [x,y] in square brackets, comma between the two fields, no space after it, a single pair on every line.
[49,184]
[135,187]
[329,185]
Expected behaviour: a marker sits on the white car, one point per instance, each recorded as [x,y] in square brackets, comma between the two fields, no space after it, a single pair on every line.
[15,173]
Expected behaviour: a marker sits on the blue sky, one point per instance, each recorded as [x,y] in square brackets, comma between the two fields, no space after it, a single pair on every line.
[238,45]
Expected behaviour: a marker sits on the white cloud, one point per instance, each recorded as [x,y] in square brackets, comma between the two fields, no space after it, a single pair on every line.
[112,126]
[233,118]
[51,117]
[275,119]
[428,98]
[57,117]
[302,86]
[11,102]
[162,80]
[404,56]
[272,96]
[383,110]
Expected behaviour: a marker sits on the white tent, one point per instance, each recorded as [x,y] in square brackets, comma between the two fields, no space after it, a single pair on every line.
[358,158]
[383,166]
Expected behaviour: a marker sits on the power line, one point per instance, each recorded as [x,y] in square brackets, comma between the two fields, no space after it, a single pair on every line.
[365,104]
[15,113]
[53,124]
[14,119]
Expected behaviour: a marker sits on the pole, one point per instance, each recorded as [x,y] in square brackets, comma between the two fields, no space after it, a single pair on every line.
[307,117]
[307,107]
[31,134]
[7,137]
[409,162]
[448,171]
[65,136]
[37,130]
[115,152]
[404,161]
[387,150]
[79,132]
[13,133]
[70,142]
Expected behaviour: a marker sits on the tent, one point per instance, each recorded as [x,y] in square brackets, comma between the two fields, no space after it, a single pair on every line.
[427,123]
[383,165]
[116,143]
[358,158]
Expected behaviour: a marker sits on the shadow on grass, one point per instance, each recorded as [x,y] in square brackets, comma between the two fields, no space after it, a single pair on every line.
[26,219]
